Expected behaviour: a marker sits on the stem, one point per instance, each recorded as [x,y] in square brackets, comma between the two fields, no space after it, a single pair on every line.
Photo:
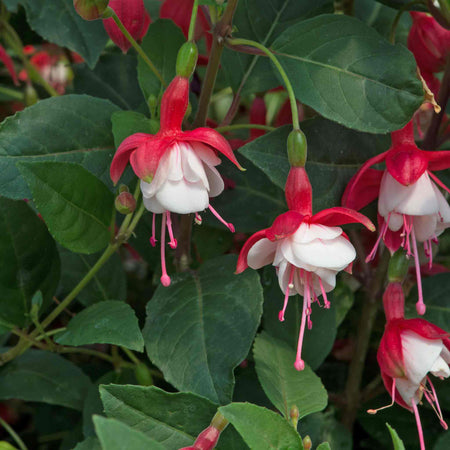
[344,7]
[11,93]
[13,434]
[191,32]
[431,139]
[290,90]
[25,337]
[221,30]
[398,17]
[365,326]
[131,355]
[136,46]
[244,126]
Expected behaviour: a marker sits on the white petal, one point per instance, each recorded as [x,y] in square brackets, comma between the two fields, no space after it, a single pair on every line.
[395,221]
[206,154]
[443,217]
[425,227]
[261,253]
[192,166]
[215,181]
[283,272]
[174,162]
[417,199]
[440,368]
[161,175]
[307,233]
[183,197]
[328,278]
[408,390]
[445,354]
[152,204]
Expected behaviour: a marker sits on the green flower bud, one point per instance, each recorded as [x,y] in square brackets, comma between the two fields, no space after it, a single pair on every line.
[31,96]
[307,443]
[297,148]
[125,203]
[143,375]
[187,59]
[398,266]
[90,9]
[294,414]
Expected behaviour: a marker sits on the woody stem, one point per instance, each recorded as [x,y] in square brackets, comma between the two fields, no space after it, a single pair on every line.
[365,326]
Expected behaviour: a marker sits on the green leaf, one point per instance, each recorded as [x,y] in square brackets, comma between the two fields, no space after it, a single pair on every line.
[12,5]
[58,22]
[72,128]
[443,442]
[76,206]
[263,21]
[39,376]
[174,419]
[109,282]
[126,123]
[348,73]
[317,342]
[324,446]
[29,261]
[334,155]
[114,78]
[115,435]
[261,429]
[108,322]
[91,443]
[161,44]
[283,384]
[398,443]
[201,327]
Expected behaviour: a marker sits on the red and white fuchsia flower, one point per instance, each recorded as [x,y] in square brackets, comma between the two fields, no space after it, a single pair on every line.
[409,350]
[411,207]
[176,168]
[135,18]
[307,250]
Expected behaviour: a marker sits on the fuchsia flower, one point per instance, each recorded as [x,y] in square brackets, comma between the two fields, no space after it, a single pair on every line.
[411,207]
[135,19]
[176,168]
[409,350]
[307,250]
[206,440]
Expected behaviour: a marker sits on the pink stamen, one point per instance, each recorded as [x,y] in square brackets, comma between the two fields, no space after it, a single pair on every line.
[383,230]
[374,411]
[439,412]
[420,305]
[165,279]
[153,240]
[173,242]
[230,226]
[327,304]
[299,363]
[286,294]
[439,182]
[419,425]
[308,317]
[428,252]
[198,218]
[407,229]
[316,299]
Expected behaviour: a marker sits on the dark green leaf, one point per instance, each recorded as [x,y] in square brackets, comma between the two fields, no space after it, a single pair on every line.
[263,21]
[261,429]
[335,153]
[29,261]
[172,419]
[126,123]
[207,317]
[348,73]
[398,443]
[91,443]
[161,45]
[318,341]
[72,128]
[324,446]
[108,322]
[443,443]
[114,78]
[75,205]
[404,4]
[58,22]
[12,5]
[115,435]
[109,282]
[41,376]
[284,385]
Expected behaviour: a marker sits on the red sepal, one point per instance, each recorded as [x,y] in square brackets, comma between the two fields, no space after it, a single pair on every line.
[145,159]
[390,352]
[368,190]
[122,155]
[387,380]
[8,62]
[392,239]
[424,328]
[438,160]
[298,191]
[174,104]
[406,163]
[249,243]
[357,183]
[212,138]
[284,225]
[337,216]
[404,135]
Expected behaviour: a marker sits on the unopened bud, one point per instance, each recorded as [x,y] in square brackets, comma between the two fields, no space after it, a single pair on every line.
[143,375]
[187,59]
[123,188]
[307,443]
[90,9]
[297,148]
[294,414]
[31,97]
[207,439]
[125,203]
[398,266]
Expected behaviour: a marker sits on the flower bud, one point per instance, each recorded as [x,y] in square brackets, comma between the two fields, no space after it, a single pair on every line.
[297,148]
[30,96]
[398,266]
[123,188]
[143,375]
[187,59]
[90,9]
[394,301]
[125,203]
[307,443]
[294,414]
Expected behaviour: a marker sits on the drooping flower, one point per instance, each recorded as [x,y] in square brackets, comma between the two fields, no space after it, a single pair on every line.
[133,16]
[409,350]
[307,250]
[411,207]
[176,168]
